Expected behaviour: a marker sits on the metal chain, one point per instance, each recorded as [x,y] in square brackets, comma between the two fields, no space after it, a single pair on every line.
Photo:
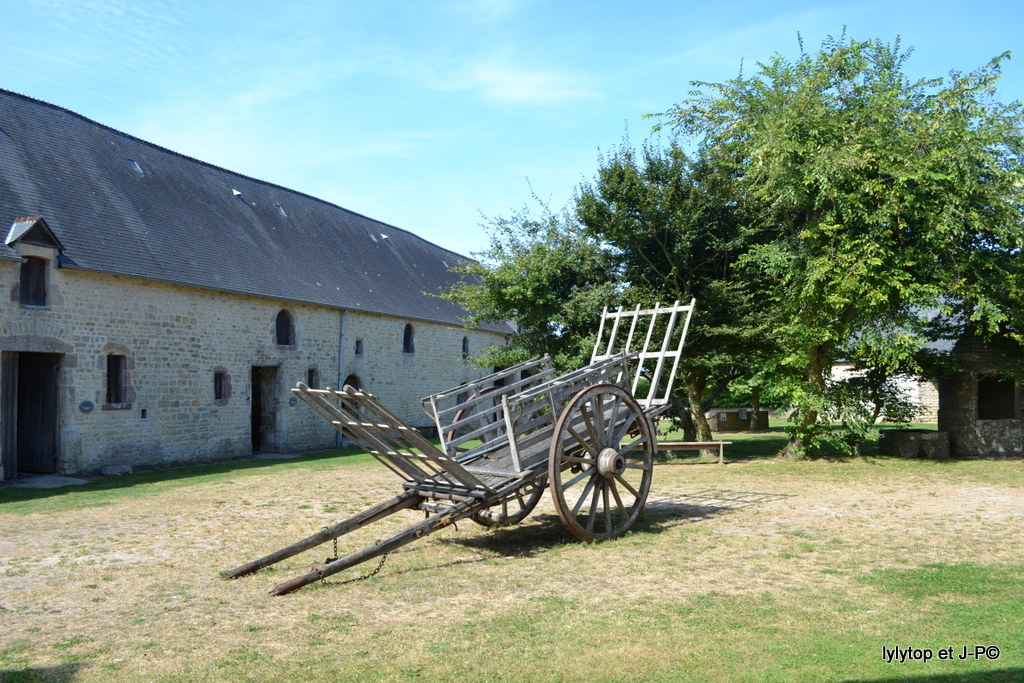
[380,565]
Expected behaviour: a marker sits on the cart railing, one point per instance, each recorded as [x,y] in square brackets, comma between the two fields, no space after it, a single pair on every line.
[622,329]
[530,415]
[473,411]
[401,448]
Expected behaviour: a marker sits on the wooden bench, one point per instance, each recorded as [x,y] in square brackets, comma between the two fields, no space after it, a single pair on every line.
[696,446]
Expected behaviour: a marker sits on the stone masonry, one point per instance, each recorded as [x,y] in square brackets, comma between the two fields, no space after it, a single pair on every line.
[174,339]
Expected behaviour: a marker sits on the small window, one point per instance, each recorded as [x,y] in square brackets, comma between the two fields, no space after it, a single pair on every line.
[280,210]
[221,385]
[352,381]
[359,347]
[465,348]
[313,378]
[408,340]
[135,166]
[116,386]
[996,398]
[285,329]
[33,282]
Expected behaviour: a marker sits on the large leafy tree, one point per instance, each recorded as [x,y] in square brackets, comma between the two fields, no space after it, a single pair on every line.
[871,197]
[651,226]
[675,234]
[548,278]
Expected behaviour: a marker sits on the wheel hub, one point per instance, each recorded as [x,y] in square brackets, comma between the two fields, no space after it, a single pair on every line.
[610,463]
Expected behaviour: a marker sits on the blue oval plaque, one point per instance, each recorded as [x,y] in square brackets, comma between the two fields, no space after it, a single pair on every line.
[86,406]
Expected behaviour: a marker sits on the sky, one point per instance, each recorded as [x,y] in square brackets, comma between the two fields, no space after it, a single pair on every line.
[437,116]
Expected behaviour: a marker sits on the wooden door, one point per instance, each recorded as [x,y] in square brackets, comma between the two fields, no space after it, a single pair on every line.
[263,402]
[35,422]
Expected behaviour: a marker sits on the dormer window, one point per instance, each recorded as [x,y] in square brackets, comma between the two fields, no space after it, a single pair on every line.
[33,282]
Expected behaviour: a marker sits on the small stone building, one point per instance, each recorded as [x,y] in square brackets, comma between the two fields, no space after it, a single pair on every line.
[156,310]
[979,405]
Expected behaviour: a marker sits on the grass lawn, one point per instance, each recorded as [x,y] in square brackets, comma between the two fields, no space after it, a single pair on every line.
[762,570]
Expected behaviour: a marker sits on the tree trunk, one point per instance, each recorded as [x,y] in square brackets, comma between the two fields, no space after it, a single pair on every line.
[800,441]
[755,406]
[695,384]
[682,412]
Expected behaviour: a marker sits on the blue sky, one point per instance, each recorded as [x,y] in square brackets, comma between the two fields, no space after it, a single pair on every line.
[428,115]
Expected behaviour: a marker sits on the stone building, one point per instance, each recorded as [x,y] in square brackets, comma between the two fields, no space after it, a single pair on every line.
[155,309]
[979,405]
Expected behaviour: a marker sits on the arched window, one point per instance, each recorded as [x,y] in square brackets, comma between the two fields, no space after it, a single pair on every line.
[352,381]
[465,348]
[285,329]
[408,341]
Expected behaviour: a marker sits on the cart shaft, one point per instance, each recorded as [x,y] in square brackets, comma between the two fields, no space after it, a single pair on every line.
[401,502]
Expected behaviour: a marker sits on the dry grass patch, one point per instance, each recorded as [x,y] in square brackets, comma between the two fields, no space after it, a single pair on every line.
[733,573]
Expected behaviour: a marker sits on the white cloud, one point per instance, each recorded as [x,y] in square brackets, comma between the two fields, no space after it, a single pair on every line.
[502,83]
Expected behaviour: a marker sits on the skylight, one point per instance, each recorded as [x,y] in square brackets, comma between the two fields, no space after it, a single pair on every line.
[372,236]
[135,166]
[280,210]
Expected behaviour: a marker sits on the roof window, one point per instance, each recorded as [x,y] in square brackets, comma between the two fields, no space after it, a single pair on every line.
[280,210]
[371,236]
[135,166]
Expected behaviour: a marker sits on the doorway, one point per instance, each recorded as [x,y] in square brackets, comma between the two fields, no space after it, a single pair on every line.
[264,408]
[29,406]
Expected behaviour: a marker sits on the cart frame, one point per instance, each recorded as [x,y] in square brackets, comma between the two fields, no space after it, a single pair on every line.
[507,437]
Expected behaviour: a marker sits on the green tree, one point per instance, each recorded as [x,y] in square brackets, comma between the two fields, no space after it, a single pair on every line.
[652,226]
[871,197]
[673,234]
[549,279]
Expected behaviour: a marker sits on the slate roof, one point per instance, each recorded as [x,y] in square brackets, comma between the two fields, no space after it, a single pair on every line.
[121,205]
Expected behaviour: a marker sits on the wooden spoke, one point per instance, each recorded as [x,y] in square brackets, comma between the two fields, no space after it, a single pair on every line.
[628,487]
[583,497]
[595,438]
[476,416]
[583,442]
[621,432]
[513,509]
[575,480]
[606,498]
[618,500]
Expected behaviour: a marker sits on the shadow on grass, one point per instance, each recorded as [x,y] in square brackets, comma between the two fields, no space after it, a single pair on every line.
[1014,674]
[61,672]
[10,494]
[660,514]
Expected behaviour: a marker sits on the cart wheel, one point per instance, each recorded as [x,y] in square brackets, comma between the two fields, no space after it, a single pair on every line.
[513,509]
[482,419]
[600,463]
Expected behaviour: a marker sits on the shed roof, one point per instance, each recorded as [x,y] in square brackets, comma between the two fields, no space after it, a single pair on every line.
[122,205]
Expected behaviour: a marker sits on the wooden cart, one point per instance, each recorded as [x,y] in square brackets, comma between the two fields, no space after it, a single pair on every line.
[588,436]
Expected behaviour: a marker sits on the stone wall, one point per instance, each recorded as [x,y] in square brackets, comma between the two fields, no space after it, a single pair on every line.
[175,338]
[970,435]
